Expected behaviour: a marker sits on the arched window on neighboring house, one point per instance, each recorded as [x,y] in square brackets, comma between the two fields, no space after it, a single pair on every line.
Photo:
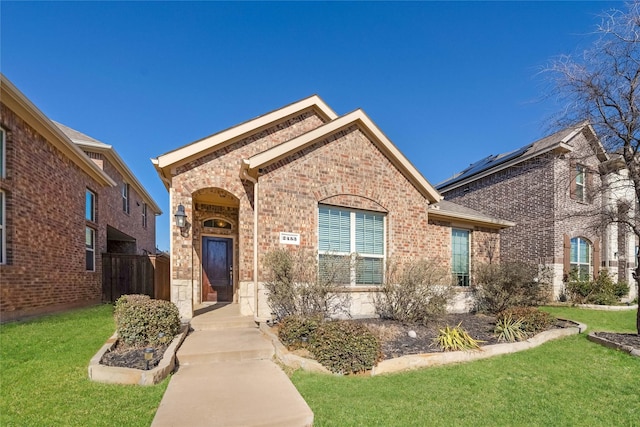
[581,257]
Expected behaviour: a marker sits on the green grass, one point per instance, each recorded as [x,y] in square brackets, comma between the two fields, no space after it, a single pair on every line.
[566,382]
[43,375]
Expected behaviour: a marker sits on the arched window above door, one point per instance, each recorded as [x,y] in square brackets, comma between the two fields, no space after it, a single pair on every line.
[217,223]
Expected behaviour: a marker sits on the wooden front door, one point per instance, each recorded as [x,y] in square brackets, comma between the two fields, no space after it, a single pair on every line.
[217,269]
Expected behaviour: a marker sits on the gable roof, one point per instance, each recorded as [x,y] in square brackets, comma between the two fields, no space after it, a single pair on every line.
[165,162]
[360,119]
[91,144]
[27,111]
[559,142]
[449,211]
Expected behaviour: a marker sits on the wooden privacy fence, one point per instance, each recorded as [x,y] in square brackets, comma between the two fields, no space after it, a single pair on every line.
[124,274]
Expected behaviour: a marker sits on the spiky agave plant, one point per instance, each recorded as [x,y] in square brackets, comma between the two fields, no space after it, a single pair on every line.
[509,329]
[456,338]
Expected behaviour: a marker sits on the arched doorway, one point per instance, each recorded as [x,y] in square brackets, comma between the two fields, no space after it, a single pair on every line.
[216,240]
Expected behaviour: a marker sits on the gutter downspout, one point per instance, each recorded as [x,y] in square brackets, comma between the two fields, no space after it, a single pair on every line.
[245,175]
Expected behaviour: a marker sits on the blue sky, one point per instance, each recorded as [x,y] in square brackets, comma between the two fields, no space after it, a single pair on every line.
[448,82]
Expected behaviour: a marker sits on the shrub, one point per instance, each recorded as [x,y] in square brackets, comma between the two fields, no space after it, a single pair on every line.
[510,329]
[294,287]
[345,347]
[140,320]
[293,331]
[501,286]
[455,339]
[417,292]
[602,291]
[531,319]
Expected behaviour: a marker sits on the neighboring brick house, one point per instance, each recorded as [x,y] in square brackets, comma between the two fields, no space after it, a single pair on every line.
[305,179]
[552,190]
[60,208]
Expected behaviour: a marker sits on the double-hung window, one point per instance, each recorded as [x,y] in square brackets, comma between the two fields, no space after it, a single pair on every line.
[125,197]
[90,206]
[144,215]
[3,154]
[351,245]
[3,239]
[90,249]
[581,257]
[460,258]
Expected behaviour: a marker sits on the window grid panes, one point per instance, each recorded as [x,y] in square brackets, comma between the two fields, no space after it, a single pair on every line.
[90,206]
[581,257]
[460,256]
[90,245]
[351,245]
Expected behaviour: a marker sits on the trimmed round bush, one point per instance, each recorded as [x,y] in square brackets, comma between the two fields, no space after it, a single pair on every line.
[296,331]
[345,347]
[140,320]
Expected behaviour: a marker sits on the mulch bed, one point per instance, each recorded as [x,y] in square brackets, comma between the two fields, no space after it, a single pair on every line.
[128,357]
[396,341]
[629,340]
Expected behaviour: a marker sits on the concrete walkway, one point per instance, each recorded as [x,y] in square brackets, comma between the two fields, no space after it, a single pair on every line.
[226,377]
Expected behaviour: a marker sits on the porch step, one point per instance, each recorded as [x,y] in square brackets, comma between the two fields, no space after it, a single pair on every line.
[220,317]
[236,344]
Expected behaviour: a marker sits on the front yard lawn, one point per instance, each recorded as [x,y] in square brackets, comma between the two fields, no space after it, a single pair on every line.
[566,382]
[43,375]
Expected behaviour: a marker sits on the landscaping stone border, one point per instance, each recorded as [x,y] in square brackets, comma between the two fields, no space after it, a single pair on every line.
[608,307]
[118,375]
[605,342]
[416,361]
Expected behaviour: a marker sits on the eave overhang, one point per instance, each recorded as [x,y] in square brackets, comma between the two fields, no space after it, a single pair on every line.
[165,164]
[252,165]
[481,221]
[17,102]
[112,156]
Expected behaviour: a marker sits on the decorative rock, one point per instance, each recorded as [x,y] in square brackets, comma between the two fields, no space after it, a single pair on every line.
[412,334]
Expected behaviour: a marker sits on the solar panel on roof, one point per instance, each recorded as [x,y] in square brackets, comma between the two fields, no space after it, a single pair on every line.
[484,164]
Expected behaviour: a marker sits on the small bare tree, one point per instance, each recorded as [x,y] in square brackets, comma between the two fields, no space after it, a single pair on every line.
[602,85]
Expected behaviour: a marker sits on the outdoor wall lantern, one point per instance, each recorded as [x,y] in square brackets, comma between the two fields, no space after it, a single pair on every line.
[181,217]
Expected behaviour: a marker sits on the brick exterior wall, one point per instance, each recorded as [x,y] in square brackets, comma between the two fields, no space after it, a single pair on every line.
[346,169]
[535,194]
[45,225]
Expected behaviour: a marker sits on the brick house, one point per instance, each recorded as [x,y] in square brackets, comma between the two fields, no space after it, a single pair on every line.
[65,198]
[552,189]
[304,179]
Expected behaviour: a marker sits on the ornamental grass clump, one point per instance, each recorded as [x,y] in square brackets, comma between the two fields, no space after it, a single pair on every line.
[532,320]
[345,347]
[142,321]
[456,339]
[510,330]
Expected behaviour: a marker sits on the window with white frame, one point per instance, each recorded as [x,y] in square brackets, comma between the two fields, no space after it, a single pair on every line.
[460,256]
[3,230]
[125,197]
[351,245]
[580,260]
[3,153]
[90,206]
[90,249]
[144,215]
